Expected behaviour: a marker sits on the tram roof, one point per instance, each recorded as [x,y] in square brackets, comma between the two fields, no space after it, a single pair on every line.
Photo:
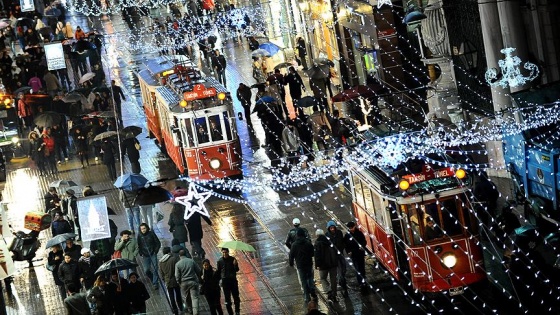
[164,63]
[147,77]
[173,98]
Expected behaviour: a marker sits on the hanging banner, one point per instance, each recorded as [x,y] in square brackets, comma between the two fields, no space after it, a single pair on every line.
[27,5]
[55,56]
[93,217]
[6,262]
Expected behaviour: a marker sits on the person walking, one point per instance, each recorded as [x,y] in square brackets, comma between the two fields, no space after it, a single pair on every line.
[52,200]
[219,65]
[87,264]
[128,247]
[52,83]
[291,142]
[337,240]
[167,273]
[130,147]
[68,272]
[48,149]
[355,245]
[244,95]
[302,52]
[177,223]
[227,269]
[148,248]
[292,234]
[69,207]
[76,303]
[210,288]
[132,211]
[295,86]
[81,143]
[194,226]
[60,138]
[60,225]
[118,95]
[321,128]
[118,293]
[327,264]
[108,150]
[73,249]
[55,258]
[137,293]
[277,89]
[187,273]
[100,297]
[35,151]
[301,253]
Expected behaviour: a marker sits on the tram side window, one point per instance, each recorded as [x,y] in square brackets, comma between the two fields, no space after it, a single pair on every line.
[187,132]
[413,221]
[201,130]
[227,125]
[451,219]
[358,193]
[216,128]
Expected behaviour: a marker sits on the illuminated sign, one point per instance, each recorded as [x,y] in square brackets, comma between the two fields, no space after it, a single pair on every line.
[94,219]
[428,174]
[27,5]
[55,56]
[199,91]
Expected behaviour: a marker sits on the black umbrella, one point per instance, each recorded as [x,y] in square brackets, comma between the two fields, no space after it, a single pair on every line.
[319,71]
[82,45]
[74,97]
[23,21]
[283,65]
[84,91]
[101,89]
[105,135]
[23,89]
[59,239]
[135,130]
[307,101]
[48,119]
[152,195]
[116,264]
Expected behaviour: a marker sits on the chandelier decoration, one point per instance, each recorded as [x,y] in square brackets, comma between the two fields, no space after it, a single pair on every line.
[510,71]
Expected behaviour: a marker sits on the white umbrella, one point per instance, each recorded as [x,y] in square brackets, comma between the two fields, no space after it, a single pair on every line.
[86,77]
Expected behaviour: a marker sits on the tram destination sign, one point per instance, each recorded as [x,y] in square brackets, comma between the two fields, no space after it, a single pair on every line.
[199,91]
[429,173]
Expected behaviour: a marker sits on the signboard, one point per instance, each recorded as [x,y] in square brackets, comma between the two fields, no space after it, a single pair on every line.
[27,5]
[55,56]
[428,174]
[199,91]
[94,220]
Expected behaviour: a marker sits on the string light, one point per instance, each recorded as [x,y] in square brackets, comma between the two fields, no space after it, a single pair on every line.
[511,74]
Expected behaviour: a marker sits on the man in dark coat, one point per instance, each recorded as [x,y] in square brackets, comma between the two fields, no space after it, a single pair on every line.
[76,303]
[244,95]
[117,96]
[337,239]
[295,86]
[292,235]
[74,250]
[228,269]
[327,263]
[59,225]
[52,200]
[167,272]
[129,148]
[87,264]
[355,245]
[194,226]
[60,137]
[219,65]
[302,52]
[302,253]
[68,272]
[109,158]
[148,246]
[277,80]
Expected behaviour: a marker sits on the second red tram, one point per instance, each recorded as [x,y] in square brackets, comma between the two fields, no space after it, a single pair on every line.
[394,209]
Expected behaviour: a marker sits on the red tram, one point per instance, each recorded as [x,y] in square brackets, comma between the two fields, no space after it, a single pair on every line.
[191,117]
[393,208]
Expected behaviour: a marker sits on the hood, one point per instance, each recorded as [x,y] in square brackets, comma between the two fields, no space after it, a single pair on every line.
[322,238]
[176,248]
[331,223]
[165,258]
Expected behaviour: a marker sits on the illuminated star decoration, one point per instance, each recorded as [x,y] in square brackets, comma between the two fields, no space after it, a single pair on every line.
[380,3]
[194,202]
[511,74]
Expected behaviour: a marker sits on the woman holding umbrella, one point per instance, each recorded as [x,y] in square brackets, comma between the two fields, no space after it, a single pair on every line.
[80,140]
[100,297]
[108,150]
[35,146]
[130,148]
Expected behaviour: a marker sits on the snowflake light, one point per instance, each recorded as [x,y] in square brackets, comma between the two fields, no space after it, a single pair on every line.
[194,202]
[511,74]
[381,3]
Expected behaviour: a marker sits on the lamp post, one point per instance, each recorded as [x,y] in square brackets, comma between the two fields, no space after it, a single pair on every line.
[468,55]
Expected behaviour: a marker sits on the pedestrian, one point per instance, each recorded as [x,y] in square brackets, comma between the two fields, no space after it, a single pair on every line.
[291,142]
[60,137]
[128,247]
[187,273]
[355,245]
[87,264]
[60,225]
[109,150]
[312,309]
[69,206]
[320,128]
[76,303]
[52,83]
[295,86]
[292,234]
[219,65]
[177,223]
[68,272]
[244,95]
[117,96]
[148,248]
[258,74]
[118,292]
[167,273]
[302,52]
[100,297]
[227,269]
[138,294]
[48,149]
[327,263]
[55,258]
[210,287]
[277,82]
[73,249]
[130,147]
[35,146]
[302,253]
[132,211]
[194,226]
[337,240]
[52,200]
[81,143]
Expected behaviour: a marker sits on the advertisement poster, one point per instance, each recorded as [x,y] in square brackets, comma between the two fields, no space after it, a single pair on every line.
[6,262]
[55,56]
[27,5]
[94,220]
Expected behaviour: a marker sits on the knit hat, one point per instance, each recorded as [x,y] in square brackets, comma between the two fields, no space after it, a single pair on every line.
[331,223]
[85,250]
[319,232]
[296,221]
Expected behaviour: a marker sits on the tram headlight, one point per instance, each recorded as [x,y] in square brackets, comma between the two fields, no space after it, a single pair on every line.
[460,173]
[215,164]
[449,260]
[221,96]
[404,184]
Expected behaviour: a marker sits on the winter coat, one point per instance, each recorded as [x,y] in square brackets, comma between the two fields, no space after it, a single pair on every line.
[295,84]
[69,273]
[87,270]
[352,242]
[318,121]
[102,299]
[226,268]
[56,263]
[68,31]
[119,298]
[336,238]
[177,226]
[129,249]
[60,227]
[244,95]
[51,81]
[148,243]
[292,236]
[80,140]
[325,254]
[74,252]
[195,226]
[167,270]
[129,148]
[49,145]
[187,269]
[302,253]
[108,152]
[138,295]
[210,282]
[290,139]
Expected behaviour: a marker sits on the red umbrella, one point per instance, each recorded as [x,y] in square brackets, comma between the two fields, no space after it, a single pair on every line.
[359,91]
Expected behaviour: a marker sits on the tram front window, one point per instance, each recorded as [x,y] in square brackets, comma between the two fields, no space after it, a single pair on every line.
[201,130]
[216,128]
[451,217]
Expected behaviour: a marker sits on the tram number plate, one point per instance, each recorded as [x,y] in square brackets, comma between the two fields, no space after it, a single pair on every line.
[456,291]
